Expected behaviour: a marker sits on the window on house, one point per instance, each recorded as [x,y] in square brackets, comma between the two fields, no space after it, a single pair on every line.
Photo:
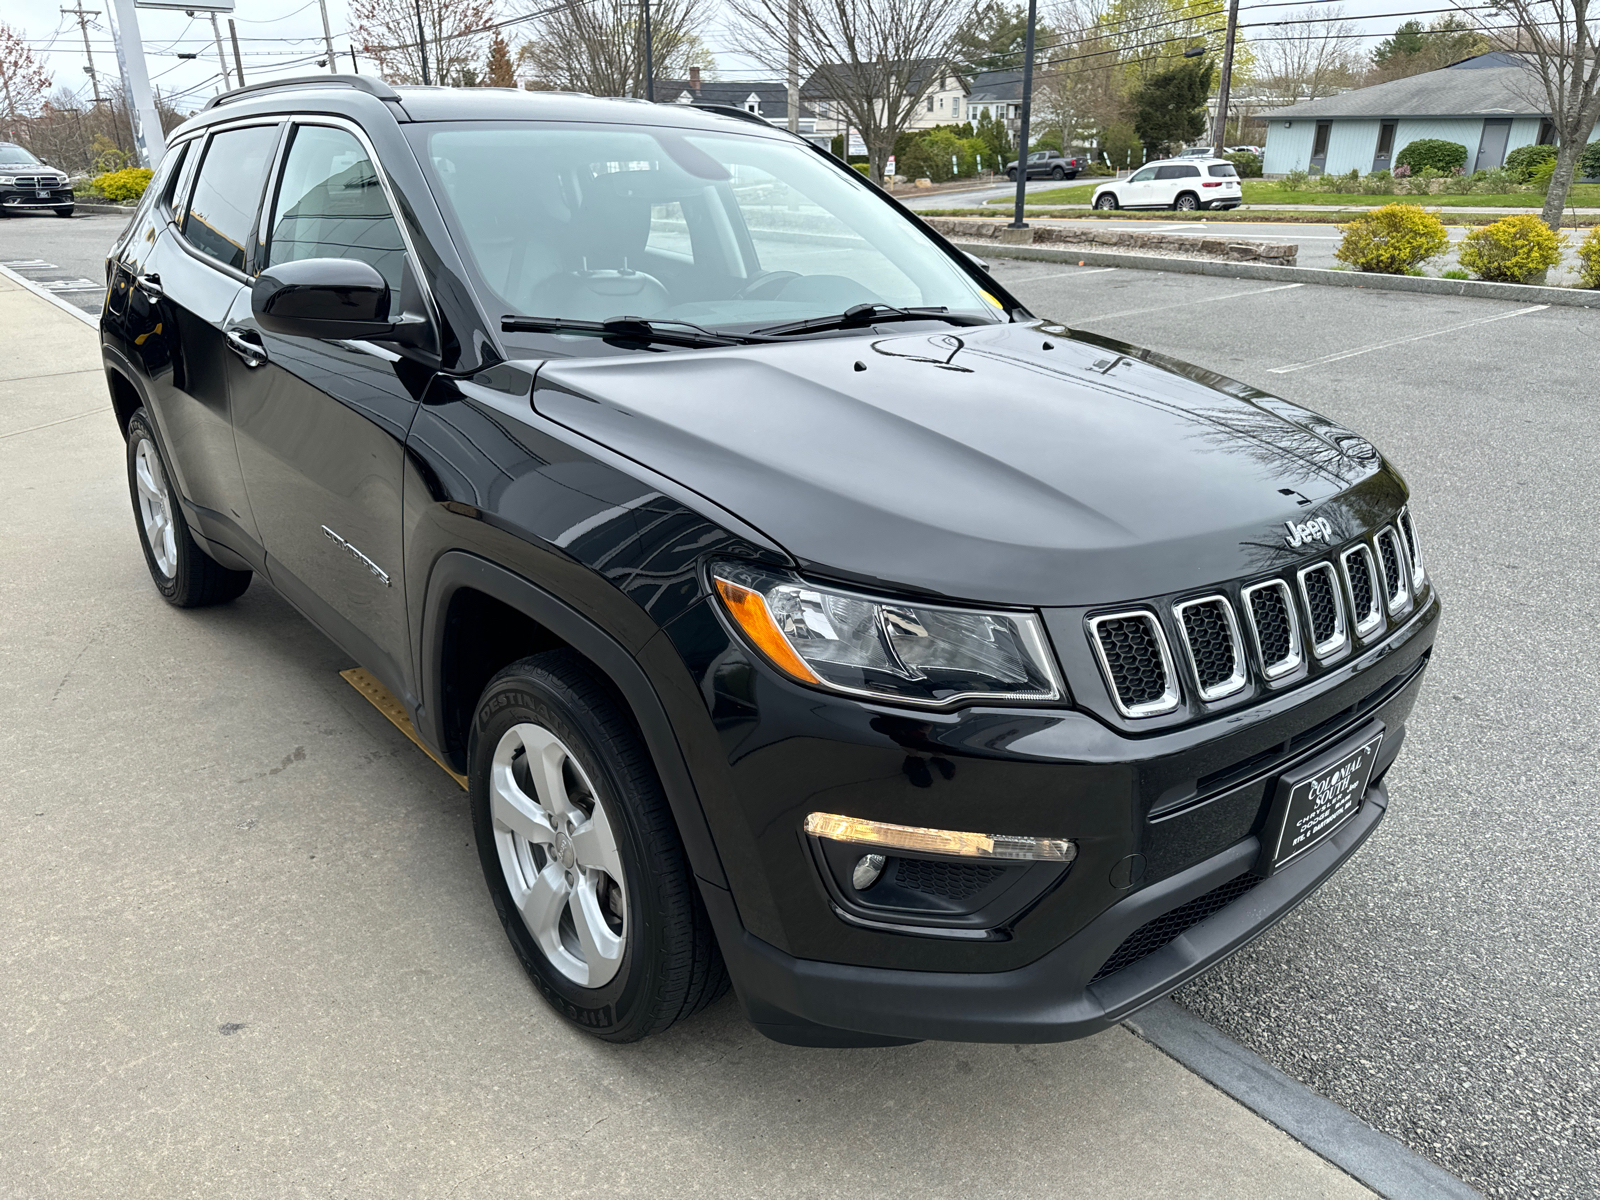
[930,105]
[1547,133]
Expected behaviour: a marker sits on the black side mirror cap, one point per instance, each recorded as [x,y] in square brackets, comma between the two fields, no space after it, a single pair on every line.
[337,298]
[981,264]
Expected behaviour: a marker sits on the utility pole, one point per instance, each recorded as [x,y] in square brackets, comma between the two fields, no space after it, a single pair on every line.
[83,27]
[422,44]
[1220,132]
[149,141]
[649,57]
[238,63]
[794,66]
[1027,111]
[333,67]
[222,62]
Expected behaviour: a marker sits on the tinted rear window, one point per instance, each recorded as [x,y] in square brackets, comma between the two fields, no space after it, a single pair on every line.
[1223,171]
[223,207]
[1177,172]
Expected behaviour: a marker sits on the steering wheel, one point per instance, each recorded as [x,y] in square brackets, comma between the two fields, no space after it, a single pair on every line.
[766,285]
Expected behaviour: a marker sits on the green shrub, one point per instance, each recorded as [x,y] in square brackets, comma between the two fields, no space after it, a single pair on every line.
[1496,181]
[1341,185]
[122,187]
[864,168]
[1512,250]
[1589,257]
[1393,240]
[1098,170]
[1295,181]
[1521,161]
[1456,185]
[1454,273]
[1248,165]
[1541,174]
[1420,183]
[1442,156]
[1589,164]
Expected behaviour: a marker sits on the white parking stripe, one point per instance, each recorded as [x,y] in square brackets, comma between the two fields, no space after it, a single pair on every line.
[1415,337]
[1134,312]
[1062,274]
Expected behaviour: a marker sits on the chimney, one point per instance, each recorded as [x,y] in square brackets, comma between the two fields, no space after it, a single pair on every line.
[694,79]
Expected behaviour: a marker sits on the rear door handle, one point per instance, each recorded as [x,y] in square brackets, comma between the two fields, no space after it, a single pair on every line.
[247,347]
[149,284]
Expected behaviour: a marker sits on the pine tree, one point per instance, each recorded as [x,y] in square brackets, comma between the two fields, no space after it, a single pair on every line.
[499,72]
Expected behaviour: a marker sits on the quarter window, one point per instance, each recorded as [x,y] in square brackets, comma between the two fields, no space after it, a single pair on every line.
[228,191]
[332,205]
[1222,171]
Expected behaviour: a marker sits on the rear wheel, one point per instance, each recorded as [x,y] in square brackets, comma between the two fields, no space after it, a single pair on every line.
[184,574]
[581,855]
[1057,173]
[1012,174]
[1187,202]
[1105,200]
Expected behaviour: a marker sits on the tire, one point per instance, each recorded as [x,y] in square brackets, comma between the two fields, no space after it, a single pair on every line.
[64,212]
[1057,173]
[1186,202]
[589,842]
[1106,200]
[1012,175]
[185,575]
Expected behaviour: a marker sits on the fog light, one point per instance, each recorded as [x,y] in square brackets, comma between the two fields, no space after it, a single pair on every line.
[867,871]
[939,841]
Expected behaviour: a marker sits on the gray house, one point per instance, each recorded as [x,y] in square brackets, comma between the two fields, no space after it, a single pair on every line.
[1491,104]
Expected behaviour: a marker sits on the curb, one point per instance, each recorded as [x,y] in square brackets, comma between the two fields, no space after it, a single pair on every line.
[1371,1158]
[87,318]
[112,209]
[1521,293]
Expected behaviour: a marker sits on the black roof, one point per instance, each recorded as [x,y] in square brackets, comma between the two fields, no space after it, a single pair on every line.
[772,96]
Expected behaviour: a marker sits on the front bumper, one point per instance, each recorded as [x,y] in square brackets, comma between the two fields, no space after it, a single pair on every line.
[36,198]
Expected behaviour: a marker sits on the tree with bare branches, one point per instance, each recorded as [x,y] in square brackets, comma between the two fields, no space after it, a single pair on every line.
[23,81]
[1555,40]
[1311,55]
[598,47]
[386,31]
[875,59]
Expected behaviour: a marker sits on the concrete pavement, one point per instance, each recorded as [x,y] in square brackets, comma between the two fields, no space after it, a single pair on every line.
[248,951]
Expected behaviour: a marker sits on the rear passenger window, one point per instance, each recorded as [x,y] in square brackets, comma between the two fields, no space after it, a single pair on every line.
[331,205]
[1222,171]
[228,191]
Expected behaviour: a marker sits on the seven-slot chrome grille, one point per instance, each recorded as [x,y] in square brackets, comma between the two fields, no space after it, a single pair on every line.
[1317,614]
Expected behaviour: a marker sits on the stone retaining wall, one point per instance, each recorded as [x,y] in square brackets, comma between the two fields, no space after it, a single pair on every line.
[1225,249]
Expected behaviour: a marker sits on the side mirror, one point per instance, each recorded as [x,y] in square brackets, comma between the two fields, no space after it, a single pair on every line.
[972,258]
[323,298]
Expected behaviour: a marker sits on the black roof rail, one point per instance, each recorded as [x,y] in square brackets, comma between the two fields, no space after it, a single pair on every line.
[733,110]
[361,83]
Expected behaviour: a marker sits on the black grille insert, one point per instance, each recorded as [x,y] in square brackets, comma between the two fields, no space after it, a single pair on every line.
[1153,935]
[1209,633]
[1363,587]
[1274,635]
[1131,649]
[1408,532]
[952,880]
[1393,580]
[1322,605]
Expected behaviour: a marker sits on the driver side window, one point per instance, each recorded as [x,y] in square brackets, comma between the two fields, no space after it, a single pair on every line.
[1144,176]
[332,205]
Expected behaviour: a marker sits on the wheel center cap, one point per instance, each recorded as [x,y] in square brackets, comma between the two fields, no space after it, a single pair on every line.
[565,854]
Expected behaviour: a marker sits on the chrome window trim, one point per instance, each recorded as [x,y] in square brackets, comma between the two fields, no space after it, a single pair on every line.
[1399,602]
[1240,676]
[1372,622]
[1404,521]
[1296,650]
[1169,699]
[1341,634]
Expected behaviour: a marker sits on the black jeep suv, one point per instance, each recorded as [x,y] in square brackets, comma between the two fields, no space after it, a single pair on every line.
[801,609]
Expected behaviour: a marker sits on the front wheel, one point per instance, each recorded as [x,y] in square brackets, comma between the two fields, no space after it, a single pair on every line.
[582,856]
[1105,201]
[64,212]
[1187,202]
[1012,175]
[185,575]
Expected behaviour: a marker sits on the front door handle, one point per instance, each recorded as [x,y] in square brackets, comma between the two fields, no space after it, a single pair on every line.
[149,284]
[248,347]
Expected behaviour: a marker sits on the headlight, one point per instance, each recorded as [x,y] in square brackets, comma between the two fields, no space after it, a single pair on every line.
[7,180]
[888,649]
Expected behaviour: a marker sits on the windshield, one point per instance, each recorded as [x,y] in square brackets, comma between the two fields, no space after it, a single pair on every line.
[590,222]
[16,156]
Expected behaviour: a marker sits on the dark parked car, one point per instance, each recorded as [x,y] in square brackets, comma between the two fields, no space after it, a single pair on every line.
[801,608]
[1049,164]
[28,184]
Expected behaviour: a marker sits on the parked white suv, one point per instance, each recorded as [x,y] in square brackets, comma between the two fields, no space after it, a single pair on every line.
[1186,184]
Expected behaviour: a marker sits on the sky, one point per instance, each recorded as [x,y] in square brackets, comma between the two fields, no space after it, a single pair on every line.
[284,37]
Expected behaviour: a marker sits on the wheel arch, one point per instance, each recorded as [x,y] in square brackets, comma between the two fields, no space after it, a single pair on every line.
[478,617]
[126,396]
[1189,192]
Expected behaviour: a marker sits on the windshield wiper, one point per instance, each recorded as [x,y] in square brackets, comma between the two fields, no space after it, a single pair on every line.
[632,329]
[861,315]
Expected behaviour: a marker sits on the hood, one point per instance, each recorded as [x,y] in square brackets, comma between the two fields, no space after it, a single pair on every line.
[1019,464]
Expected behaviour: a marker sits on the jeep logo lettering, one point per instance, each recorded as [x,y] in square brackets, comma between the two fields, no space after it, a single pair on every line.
[1314,530]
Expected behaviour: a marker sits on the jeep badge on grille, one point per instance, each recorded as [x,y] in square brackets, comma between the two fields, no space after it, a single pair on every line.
[1316,529]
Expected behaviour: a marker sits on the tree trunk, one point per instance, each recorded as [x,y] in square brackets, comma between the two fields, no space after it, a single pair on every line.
[877,161]
[1555,199]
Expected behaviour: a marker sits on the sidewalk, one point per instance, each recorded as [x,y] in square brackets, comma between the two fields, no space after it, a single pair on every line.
[249,953]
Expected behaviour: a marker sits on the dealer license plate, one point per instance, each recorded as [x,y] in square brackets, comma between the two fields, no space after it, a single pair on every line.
[1314,800]
[43,195]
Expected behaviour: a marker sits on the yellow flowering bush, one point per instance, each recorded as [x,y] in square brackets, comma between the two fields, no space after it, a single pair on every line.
[122,187]
[1393,240]
[1512,250]
[1589,259]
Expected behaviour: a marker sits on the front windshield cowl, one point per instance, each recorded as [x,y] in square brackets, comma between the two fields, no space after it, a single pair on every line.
[730,232]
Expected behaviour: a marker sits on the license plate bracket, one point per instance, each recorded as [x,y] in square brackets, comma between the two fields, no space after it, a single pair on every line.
[1311,802]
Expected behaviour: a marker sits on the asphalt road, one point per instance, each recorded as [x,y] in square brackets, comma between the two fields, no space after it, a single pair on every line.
[1445,986]
[66,256]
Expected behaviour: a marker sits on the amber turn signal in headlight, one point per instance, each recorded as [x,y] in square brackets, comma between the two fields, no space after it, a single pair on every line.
[916,840]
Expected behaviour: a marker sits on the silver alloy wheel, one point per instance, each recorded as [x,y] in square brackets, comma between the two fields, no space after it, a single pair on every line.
[155,508]
[558,854]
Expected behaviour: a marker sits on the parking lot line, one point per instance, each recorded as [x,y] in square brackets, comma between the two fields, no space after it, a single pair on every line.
[1134,312]
[1065,274]
[1415,337]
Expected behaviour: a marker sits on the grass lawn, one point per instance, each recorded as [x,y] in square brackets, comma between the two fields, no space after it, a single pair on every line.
[1265,191]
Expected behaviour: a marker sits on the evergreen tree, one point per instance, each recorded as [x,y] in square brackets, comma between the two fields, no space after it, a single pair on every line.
[1169,107]
[499,73]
